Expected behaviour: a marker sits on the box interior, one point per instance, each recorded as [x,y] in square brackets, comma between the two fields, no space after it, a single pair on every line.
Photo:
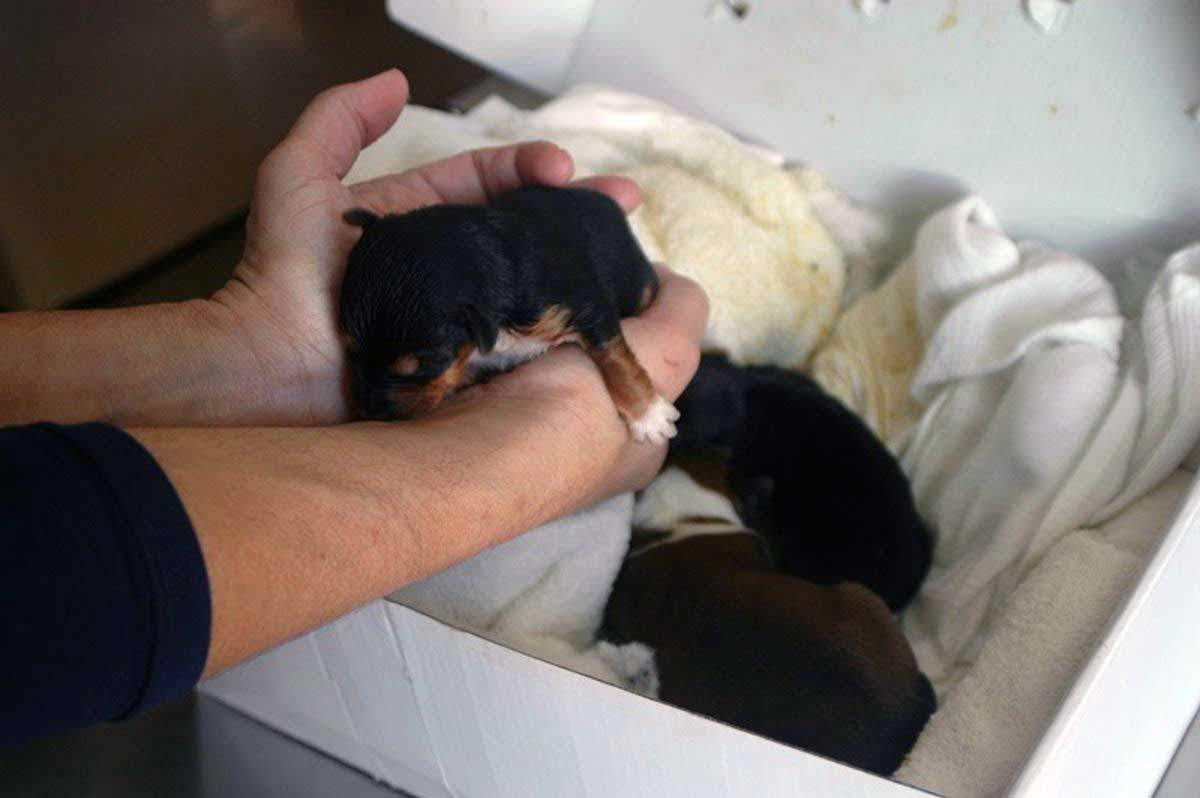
[905,113]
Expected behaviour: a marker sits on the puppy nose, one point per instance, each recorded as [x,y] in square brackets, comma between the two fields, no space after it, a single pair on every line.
[379,405]
[370,402]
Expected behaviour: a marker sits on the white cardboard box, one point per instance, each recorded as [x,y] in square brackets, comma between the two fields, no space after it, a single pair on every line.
[1082,138]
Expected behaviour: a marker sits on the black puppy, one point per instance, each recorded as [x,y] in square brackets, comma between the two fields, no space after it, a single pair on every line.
[825,668]
[807,472]
[434,299]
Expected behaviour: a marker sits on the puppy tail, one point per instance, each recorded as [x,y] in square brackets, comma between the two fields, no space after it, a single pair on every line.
[360,217]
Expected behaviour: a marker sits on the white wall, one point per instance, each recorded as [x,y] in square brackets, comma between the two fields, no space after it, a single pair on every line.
[532,42]
[1082,138]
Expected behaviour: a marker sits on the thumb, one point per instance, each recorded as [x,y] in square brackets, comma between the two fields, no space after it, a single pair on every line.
[340,122]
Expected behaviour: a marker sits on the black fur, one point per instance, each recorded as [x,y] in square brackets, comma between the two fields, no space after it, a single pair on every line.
[808,473]
[429,282]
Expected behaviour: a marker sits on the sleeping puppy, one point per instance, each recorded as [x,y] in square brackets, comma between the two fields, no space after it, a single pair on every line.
[823,668]
[436,299]
[808,473]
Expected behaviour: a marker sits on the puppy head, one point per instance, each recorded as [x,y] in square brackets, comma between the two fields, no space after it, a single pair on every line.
[831,496]
[407,315]
[712,407]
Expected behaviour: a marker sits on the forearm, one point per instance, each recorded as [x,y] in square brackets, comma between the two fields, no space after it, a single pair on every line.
[171,364]
[298,526]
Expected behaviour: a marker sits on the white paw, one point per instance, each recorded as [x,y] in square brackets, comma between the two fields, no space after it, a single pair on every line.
[657,424]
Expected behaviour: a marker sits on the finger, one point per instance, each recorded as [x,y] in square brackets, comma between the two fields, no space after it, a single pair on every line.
[679,299]
[399,192]
[623,190]
[562,395]
[666,338]
[480,175]
[341,121]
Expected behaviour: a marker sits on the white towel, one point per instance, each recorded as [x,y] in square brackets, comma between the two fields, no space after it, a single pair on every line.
[1044,413]
[868,240]
[1054,400]
[989,724]
[544,593]
[869,361]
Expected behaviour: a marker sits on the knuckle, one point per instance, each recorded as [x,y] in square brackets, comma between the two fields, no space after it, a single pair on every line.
[705,304]
[272,166]
[680,354]
[686,292]
[696,296]
[328,96]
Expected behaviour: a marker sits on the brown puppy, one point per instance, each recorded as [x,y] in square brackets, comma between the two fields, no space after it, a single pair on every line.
[823,668]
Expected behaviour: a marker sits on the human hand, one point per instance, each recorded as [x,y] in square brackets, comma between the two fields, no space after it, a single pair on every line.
[283,296]
[557,411]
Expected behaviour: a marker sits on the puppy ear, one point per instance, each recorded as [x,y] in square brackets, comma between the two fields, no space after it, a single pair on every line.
[482,329]
[360,217]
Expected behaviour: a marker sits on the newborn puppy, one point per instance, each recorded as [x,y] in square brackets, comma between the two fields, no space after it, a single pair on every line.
[824,668]
[811,475]
[435,299]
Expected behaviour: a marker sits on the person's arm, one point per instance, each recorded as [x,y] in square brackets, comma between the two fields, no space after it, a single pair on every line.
[264,349]
[298,526]
[134,561]
[116,552]
[174,363]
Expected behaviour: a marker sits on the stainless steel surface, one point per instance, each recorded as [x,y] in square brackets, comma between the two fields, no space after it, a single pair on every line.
[193,747]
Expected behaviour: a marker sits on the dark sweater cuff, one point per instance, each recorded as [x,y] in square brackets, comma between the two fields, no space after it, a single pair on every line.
[161,546]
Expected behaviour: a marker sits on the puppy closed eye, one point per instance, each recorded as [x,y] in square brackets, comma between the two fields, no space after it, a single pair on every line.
[406,365]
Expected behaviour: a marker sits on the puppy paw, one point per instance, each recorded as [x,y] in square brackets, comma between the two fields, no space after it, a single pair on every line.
[657,424]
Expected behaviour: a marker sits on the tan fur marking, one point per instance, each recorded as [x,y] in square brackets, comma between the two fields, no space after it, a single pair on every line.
[421,399]
[406,365]
[626,380]
[703,520]
[709,468]
[552,327]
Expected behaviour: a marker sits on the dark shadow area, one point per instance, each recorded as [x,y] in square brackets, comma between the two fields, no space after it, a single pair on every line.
[192,748]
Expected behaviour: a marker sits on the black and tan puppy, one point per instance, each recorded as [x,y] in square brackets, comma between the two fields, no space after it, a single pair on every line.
[809,474]
[821,667]
[435,299]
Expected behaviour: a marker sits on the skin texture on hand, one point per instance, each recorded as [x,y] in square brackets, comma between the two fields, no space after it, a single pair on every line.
[284,293]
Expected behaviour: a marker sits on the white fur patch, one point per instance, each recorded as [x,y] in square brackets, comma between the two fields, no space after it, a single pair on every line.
[674,496]
[657,424]
[510,351]
[634,664]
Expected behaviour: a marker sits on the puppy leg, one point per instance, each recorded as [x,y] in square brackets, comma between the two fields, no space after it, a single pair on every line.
[650,417]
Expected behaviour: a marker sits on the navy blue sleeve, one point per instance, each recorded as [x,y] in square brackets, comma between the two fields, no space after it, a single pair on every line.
[104,602]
